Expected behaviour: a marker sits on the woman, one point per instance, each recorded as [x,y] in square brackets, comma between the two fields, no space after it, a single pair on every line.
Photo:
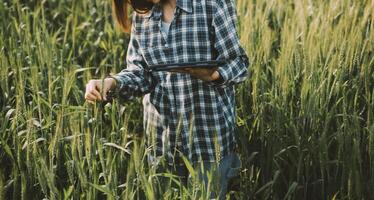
[187,112]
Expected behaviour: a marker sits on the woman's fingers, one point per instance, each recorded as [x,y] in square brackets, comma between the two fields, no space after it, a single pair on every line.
[92,93]
[96,92]
[215,75]
[105,91]
[91,102]
[109,83]
[90,97]
[203,73]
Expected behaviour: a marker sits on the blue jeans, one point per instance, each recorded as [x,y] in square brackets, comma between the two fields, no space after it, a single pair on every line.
[228,168]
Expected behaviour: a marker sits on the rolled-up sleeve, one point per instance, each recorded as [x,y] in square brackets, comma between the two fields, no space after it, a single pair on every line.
[134,81]
[227,45]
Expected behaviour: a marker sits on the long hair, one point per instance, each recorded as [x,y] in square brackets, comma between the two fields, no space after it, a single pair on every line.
[120,8]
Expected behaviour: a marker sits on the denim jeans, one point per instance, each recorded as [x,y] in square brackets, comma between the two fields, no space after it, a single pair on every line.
[228,168]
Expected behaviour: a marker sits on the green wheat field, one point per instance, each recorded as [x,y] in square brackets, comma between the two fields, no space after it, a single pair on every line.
[305,116]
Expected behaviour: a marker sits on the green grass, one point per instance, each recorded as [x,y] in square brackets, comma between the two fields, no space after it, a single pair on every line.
[305,116]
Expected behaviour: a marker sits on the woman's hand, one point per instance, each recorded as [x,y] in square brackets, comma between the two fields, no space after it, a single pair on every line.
[93,89]
[200,73]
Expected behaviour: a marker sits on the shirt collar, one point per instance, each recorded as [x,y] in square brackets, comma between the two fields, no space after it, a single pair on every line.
[185,5]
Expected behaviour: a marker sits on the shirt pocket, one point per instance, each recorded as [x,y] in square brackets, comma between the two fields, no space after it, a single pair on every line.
[149,34]
[156,55]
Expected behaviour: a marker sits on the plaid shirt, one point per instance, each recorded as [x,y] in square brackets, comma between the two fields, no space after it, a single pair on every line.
[182,113]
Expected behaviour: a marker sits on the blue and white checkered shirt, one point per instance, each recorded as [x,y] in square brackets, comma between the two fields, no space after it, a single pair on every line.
[180,111]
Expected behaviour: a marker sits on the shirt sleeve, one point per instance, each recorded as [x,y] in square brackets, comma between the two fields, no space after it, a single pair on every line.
[227,45]
[134,81]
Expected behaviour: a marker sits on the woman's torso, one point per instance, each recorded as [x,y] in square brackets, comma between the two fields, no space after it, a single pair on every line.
[183,111]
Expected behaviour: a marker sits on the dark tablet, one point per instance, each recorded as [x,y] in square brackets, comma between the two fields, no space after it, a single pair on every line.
[199,64]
